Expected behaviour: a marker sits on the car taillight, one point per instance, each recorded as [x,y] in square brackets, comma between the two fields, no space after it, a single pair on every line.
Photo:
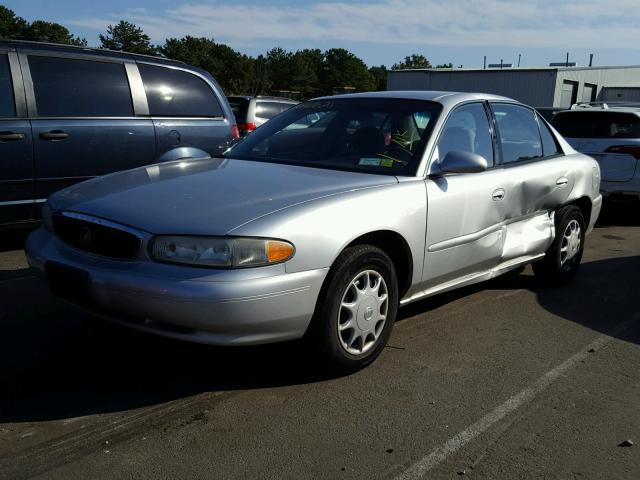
[247,127]
[626,149]
[235,132]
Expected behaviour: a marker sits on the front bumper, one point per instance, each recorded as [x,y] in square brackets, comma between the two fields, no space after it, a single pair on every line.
[220,307]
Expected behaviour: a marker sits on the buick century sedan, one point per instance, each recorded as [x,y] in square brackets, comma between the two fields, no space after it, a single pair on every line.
[325,220]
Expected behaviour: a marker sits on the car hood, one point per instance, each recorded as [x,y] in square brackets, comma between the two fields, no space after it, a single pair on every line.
[205,197]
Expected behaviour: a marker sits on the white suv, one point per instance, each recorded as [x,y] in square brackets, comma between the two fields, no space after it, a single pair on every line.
[610,133]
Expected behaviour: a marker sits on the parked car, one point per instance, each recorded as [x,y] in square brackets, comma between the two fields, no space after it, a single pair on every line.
[251,112]
[324,230]
[72,113]
[610,133]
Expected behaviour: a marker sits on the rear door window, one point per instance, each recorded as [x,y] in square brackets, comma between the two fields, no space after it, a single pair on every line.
[7,103]
[518,132]
[176,93]
[549,144]
[268,110]
[66,87]
[598,124]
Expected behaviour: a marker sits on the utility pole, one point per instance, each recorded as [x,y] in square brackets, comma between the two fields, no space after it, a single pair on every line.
[519,57]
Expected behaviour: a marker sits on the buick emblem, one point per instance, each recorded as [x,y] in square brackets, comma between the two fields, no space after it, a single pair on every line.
[85,236]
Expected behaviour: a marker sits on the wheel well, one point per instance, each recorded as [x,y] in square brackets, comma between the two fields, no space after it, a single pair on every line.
[394,245]
[584,204]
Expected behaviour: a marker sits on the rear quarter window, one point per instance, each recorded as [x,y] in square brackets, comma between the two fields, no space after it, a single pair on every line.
[269,110]
[598,124]
[176,93]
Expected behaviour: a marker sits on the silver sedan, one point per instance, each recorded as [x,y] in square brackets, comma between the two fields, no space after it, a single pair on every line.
[324,221]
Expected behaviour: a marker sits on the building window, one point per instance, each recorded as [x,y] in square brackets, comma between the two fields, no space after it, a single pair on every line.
[569,94]
[589,93]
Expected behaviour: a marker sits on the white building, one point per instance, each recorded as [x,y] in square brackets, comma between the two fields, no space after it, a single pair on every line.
[547,87]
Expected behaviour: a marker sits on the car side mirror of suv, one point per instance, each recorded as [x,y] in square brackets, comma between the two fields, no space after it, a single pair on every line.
[457,161]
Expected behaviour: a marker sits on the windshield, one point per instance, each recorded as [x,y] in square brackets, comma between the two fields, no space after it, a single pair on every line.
[374,135]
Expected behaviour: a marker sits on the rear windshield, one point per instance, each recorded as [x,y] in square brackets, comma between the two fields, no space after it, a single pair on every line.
[597,124]
[374,135]
[239,106]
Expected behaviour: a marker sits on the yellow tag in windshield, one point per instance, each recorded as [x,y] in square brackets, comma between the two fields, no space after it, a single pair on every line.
[386,162]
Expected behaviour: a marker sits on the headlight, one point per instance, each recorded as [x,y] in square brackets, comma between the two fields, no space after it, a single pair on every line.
[220,251]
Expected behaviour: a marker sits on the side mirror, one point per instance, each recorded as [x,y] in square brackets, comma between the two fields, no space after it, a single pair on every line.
[457,161]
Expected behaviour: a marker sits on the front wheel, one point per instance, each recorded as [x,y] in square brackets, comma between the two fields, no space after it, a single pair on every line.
[356,309]
[563,257]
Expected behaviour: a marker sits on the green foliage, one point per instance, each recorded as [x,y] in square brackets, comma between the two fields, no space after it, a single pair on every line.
[379,75]
[413,61]
[42,31]
[12,26]
[127,37]
[445,65]
[343,69]
[234,71]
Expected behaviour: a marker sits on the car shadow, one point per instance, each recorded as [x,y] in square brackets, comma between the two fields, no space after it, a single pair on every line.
[621,212]
[13,239]
[57,362]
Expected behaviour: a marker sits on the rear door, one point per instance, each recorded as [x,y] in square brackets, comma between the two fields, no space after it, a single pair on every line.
[16,160]
[83,118]
[187,115]
[540,178]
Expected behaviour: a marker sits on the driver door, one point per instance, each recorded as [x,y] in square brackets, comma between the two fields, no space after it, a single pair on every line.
[466,211]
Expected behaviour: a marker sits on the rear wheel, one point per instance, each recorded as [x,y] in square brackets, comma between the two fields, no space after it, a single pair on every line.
[356,310]
[563,257]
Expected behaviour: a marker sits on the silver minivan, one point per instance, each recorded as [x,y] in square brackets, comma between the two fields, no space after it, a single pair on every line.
[251,112]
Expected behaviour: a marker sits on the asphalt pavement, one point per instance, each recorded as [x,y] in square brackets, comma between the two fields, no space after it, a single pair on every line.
[502,380]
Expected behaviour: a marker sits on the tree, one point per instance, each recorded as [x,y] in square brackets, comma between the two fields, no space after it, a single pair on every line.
[127,37]
[379,75]
[343,69]
[11,26]
[42,31]
[445,65]
[415,60]
[234,71]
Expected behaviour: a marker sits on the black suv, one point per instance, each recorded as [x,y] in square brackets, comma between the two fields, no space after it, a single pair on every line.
[71,113]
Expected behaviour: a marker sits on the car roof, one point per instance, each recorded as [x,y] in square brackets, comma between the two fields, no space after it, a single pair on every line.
[60,48]
[618,107]
[431,95]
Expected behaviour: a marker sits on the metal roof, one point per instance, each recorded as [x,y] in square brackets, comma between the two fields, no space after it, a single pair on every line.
[516,69]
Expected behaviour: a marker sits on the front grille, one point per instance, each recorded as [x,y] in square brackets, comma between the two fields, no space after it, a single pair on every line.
[96,238]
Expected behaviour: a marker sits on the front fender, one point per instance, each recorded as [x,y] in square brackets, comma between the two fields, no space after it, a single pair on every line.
[182,152]
[320,229]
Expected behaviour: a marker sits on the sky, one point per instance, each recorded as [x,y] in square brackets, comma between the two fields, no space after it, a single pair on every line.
[378,31]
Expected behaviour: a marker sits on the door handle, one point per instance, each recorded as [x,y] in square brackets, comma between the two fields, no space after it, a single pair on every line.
[498,194]
[11,136]
[54,135]
[562,181]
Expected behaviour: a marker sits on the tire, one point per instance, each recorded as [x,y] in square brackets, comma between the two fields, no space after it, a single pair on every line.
[555,268]
[346,303]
